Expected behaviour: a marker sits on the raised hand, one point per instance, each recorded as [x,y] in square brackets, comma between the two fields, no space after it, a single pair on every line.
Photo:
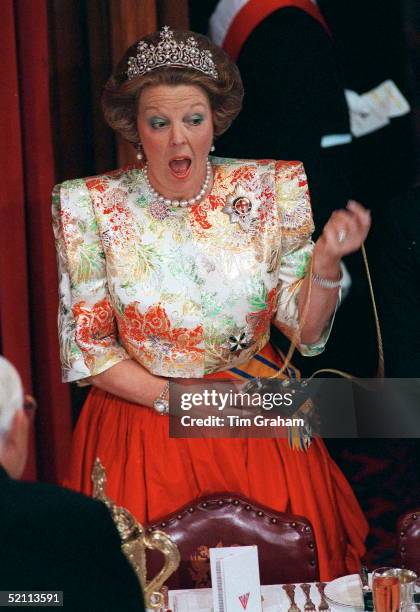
[344,232]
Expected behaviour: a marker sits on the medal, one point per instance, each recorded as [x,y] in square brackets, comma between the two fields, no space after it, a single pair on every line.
[242,208]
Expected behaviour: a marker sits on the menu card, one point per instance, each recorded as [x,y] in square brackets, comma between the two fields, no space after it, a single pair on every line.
[235,578]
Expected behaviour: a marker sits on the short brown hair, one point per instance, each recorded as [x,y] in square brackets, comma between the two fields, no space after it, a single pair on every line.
[120,97]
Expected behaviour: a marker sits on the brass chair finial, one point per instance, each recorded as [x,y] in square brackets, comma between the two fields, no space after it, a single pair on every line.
[135,542]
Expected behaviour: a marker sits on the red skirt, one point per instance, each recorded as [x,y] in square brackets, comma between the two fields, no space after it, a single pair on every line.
[153,475]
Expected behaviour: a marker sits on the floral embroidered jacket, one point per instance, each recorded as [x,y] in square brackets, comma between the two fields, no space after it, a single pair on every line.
[183,291]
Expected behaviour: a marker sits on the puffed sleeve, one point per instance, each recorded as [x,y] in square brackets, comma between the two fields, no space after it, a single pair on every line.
[86,322]
[296,252]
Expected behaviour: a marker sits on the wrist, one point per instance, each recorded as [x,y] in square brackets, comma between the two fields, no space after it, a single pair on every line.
[161,403]
[325,265]
[326,283]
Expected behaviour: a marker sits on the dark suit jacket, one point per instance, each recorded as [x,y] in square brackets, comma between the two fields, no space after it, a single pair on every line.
[294,96]
[371,49]
[54,539]
[397,283]
[294,75]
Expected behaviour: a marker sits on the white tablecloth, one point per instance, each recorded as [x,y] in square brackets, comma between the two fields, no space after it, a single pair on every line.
[275,600]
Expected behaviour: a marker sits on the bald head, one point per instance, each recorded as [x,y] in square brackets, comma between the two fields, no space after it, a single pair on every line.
[14,425]
[11,394]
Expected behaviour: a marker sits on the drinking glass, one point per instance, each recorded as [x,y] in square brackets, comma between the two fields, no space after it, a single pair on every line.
[386,590]
[407,580]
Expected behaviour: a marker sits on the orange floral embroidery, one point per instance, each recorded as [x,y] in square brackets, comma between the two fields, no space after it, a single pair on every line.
[199,212]
[94,324]
[112,205]
[187,338]
[97,184]
[132,323]
[155,322]
[260,320]
[244,173]
[266,209]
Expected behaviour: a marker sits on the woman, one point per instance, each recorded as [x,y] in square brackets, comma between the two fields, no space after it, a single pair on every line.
[176,268]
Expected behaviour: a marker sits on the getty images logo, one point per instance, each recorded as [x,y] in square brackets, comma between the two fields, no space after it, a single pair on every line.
[244,600]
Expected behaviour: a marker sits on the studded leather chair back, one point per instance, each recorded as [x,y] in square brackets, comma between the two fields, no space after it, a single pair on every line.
[286,543]
[408,540]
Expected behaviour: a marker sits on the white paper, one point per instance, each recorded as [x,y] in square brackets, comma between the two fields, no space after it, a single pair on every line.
[235,579]
[373,110]
[198,600]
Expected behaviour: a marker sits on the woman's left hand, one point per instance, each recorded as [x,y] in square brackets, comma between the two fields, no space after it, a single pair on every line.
[344,232]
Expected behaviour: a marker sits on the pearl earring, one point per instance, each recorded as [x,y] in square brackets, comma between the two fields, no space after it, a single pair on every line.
[212,148]
[139,154]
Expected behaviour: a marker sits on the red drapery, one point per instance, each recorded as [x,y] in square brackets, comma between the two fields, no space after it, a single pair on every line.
[51,69]
[28,285]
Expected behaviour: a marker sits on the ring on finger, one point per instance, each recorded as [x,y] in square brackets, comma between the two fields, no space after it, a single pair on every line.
[341,236]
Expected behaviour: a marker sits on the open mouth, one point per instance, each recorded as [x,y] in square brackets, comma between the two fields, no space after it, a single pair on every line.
[180,166]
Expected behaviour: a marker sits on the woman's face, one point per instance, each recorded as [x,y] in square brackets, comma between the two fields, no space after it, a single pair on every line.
[175,125]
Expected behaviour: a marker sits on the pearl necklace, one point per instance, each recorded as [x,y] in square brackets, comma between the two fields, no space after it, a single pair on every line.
[181,203]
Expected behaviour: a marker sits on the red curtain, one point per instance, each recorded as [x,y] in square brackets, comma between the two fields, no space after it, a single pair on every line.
[55,59]
[28,285]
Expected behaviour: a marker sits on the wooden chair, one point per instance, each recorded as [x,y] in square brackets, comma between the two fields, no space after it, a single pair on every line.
[408,540]
[286,543]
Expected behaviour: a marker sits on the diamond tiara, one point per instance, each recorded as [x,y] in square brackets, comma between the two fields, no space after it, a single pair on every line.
[169,52]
